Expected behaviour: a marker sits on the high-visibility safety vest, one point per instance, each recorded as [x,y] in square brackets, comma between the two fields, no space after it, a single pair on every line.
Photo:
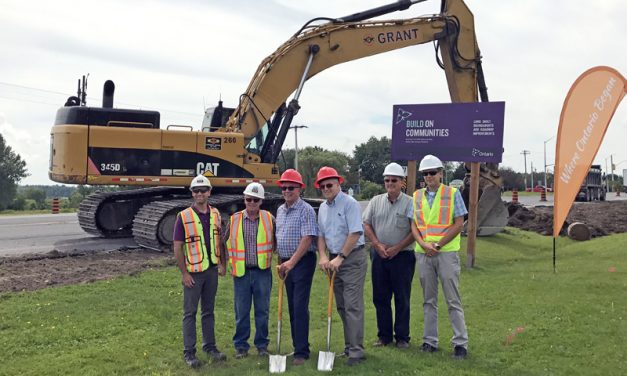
[196,258]
[433,221]
[235,244]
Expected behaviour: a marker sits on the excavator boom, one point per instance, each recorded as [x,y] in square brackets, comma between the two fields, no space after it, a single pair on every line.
[111,146]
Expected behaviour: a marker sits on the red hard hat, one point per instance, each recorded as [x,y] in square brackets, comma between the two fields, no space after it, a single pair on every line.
[291,176]
[327,173]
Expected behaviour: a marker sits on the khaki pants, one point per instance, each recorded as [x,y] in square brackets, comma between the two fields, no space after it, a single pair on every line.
[445,267]
[349,297]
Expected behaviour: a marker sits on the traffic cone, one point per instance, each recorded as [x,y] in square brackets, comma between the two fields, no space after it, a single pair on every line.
[543,195]
[515,196]
[55,206]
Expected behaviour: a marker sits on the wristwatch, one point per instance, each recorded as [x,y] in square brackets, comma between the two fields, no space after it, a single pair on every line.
[437,246]
[342,255]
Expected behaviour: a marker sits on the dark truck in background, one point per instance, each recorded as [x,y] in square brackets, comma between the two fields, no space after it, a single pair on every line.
[593,186]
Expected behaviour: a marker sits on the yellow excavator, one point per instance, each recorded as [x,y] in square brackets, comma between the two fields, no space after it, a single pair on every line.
[236,146]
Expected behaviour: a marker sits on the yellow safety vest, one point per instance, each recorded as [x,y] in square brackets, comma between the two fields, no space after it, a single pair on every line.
[194,246]
[433,221]
[235,244]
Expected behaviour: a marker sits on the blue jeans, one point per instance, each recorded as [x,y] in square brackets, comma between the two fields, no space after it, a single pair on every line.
[298,288]
[392,278]
[254,286]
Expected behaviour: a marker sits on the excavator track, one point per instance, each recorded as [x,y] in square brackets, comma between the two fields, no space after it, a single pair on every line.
[110,214]
[153,226]
[148,214]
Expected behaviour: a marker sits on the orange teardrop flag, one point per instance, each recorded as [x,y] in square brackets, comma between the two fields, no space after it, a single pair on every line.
[588,109]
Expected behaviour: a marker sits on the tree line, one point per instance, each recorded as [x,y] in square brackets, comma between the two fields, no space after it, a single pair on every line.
[362,170]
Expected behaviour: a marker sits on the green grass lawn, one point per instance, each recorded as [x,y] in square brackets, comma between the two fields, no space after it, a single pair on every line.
[522,320]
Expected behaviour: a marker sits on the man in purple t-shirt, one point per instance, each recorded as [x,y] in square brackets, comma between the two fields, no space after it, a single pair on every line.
[198,252]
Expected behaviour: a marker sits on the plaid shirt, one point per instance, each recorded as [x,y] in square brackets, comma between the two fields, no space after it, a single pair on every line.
[250,228]
[292,224]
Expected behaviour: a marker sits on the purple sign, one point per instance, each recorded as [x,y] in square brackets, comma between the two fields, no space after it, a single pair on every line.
[468,132]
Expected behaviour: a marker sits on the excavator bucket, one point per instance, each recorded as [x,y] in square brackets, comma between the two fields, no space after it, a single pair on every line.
[492,214]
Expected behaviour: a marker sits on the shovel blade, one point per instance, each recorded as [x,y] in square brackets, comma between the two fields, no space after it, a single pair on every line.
[277,363]
[325,360]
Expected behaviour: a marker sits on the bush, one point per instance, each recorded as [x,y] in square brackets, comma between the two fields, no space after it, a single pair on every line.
[370,189]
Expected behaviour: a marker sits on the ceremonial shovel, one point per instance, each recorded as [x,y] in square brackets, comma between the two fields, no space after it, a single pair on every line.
[277,362]
[326,358]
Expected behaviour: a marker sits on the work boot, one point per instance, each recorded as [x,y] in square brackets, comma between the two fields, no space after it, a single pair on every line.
[460,353]
[355,361]
[191,360]
[402,344]
[298,361]
[428,348]
[216,354]
[241,354]
[262,351]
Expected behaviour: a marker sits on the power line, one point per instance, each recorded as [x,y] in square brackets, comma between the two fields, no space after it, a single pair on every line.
[90,98]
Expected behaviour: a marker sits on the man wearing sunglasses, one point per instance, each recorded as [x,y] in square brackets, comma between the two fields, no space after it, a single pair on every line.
[197,248]
[437,221]
[296,229]
[342,233]
[388,227]
[250,244]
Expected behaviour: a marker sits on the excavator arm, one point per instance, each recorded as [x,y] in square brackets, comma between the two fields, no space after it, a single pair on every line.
[316,48]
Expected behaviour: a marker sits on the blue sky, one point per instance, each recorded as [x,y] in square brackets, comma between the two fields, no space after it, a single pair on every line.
[177,57]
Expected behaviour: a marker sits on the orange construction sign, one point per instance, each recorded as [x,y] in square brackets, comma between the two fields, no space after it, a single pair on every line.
[588,109]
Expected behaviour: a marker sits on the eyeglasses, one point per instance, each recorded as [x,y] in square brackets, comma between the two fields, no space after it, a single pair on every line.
[390,180]
[290,188]
[431,173]
[250,199]
[200,190]
[326,186]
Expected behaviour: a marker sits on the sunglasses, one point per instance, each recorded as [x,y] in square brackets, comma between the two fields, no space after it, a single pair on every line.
[290,188]
[430,173]
[200,190]
[250,199]
[390,180]
[326,186]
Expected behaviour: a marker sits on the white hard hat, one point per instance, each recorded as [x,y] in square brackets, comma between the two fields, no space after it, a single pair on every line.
[200,181]
[430,162]
[394,169]
[255,190]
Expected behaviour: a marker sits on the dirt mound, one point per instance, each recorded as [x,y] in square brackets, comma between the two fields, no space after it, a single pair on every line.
[602,218]
[52,269]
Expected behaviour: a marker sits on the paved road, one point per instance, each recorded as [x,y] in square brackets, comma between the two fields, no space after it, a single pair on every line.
[21,234]
[535,199]
[47,232]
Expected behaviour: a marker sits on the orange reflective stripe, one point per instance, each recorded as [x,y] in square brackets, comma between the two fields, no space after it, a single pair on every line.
[216,225]
[188,221]
[263,219]
[444,215]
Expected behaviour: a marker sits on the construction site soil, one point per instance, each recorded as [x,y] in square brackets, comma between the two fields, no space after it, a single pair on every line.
[34,272]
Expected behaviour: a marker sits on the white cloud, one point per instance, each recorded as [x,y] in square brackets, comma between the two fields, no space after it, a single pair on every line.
[32,148]
[173,56]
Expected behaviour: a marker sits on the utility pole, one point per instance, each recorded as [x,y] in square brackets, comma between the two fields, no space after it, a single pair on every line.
[612,165]
[546,165]
[295,128]
[533,184]
[607,184]
[525,153]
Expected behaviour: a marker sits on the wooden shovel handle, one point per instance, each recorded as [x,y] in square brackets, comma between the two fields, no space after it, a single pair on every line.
[331,282]
[281,284]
